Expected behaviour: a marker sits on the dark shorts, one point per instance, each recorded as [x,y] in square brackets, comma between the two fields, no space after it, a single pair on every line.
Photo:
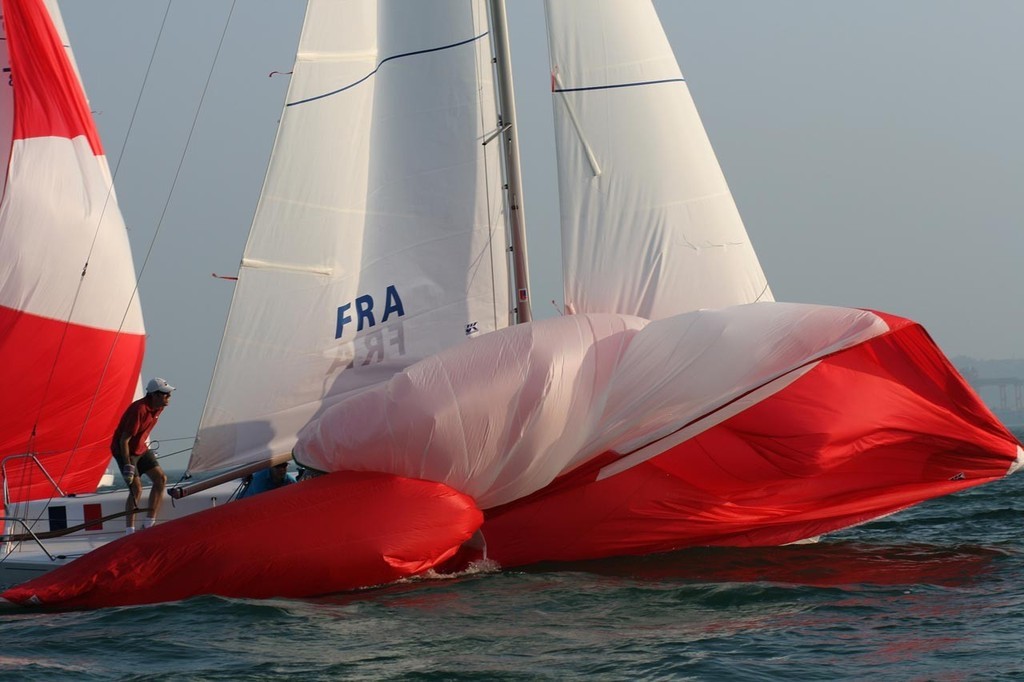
[146,462]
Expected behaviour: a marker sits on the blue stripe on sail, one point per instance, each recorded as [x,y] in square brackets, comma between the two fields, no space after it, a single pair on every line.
[621,85]
[382,63]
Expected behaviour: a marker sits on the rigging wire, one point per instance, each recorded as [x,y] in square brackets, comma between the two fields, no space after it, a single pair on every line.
[149,251]
[181,160]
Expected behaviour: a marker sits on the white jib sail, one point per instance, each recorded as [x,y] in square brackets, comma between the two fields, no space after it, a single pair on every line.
[649,227]
[379,238]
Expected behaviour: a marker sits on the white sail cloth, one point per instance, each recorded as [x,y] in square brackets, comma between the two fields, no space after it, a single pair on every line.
[649,226]
[68,162]
[503,416]
[47,281]
[379,238]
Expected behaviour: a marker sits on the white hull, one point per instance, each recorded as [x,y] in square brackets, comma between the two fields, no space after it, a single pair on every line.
[21,561]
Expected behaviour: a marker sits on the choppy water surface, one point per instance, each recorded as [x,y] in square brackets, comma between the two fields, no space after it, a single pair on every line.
[933,593]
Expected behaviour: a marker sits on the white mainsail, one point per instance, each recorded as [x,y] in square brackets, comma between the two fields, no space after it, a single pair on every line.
[379,237]
[649,227]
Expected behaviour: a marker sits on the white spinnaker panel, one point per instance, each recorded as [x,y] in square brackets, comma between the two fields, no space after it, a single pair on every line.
[46,242]
[54,240]
[649,227]
[379,238]
[504,416]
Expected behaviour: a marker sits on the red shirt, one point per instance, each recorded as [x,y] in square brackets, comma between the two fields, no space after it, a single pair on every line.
[138,420]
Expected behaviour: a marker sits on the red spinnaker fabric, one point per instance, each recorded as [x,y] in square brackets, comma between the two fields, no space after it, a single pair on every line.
[869,431]
[63,399]
[337,532]
[49,100]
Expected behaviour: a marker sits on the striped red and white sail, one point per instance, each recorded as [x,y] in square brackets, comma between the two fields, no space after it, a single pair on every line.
[71,331]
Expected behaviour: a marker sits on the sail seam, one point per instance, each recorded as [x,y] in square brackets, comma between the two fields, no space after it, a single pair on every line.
[382,63]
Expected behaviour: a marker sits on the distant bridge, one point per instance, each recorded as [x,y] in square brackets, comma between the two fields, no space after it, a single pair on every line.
[1004,385]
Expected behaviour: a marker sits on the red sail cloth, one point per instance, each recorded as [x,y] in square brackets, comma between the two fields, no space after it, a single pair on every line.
[336,532]
[869,431]
[49,101]
[74,409]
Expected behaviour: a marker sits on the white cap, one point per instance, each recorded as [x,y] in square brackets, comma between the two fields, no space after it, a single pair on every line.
[158,384]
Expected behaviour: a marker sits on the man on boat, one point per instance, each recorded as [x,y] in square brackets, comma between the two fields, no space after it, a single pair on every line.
[268,479]
[130,447]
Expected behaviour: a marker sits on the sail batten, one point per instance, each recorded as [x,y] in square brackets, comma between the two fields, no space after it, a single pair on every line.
[253,263]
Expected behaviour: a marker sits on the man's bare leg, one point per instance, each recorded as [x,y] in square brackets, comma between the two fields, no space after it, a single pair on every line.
[132,502]
[156,495]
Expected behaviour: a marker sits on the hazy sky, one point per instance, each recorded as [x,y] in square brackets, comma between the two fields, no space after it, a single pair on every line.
[874,148]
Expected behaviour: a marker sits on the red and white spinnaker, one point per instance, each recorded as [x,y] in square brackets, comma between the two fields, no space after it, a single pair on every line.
[71,331]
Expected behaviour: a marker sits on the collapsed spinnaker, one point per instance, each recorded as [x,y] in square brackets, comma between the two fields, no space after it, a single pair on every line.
[71,333]
[336,532]
[866,432]
[760,424]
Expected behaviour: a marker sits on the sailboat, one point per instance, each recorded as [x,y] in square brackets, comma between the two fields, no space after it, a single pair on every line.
[381,335]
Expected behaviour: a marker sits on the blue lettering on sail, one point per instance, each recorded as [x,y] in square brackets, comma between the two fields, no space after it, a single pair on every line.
[364,309]
[364,316]
[392,303]
[343,319]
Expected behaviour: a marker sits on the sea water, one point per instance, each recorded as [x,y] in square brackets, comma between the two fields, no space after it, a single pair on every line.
[932,593]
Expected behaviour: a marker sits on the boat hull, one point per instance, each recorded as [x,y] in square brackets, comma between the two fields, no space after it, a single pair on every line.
[91,513]
[337,532]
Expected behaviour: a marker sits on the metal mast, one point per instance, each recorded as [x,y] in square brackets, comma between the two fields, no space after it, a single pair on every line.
[513,176]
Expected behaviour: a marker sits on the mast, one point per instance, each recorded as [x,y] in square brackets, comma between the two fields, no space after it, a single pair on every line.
[513,175]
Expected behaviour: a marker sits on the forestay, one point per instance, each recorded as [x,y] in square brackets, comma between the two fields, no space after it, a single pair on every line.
[649,227]
[379,237]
